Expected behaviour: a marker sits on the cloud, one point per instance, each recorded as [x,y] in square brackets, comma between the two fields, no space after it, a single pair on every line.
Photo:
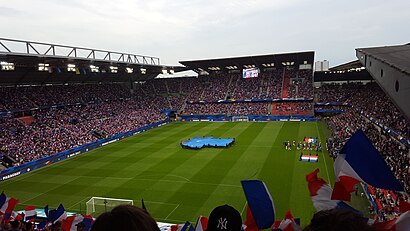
[179,29]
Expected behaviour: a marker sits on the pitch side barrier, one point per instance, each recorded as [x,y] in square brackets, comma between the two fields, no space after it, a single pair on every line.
[36,164]
[249,100]
[251,118]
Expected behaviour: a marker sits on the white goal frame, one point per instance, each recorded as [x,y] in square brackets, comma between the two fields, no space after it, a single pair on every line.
[91,203]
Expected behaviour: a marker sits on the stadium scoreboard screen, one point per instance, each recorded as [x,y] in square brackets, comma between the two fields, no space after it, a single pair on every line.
[250,73]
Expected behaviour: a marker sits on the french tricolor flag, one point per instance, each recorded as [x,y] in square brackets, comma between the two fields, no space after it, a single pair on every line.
[249,224]
[202,224]
[69,224]
[30,213]
[287,224]
[260,203]
[7,205]
[56,215]
[359,161]
[321,193]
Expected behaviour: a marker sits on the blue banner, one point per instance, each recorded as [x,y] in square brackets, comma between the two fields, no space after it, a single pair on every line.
[254,118]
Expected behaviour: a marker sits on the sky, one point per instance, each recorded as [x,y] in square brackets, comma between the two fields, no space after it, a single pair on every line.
[200,29]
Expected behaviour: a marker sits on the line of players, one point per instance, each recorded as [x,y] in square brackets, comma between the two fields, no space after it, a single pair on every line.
[306,144]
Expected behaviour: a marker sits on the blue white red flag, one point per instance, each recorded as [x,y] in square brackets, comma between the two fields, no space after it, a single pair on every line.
[7,205]
[30,213]
[287,224]
[201,224]
[359,161]
[321,193]
[69,224]
[57,214]
[260,203]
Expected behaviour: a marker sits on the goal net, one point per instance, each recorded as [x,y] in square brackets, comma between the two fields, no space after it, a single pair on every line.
[98,205]
[239,118]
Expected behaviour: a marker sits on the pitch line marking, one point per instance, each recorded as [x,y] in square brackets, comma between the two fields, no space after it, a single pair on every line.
[324,159]
[77,203]
[188,180]
[243,209]
[51,189]
[172,181]
[162,203]
[172,211]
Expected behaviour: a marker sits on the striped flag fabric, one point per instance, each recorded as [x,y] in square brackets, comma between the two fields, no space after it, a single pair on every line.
[359,161]
[201,224]
[321,193]
[250,224]
[57,214]
[181,227]
[30,213]
[260,203]
[70,223]
[287,224]
[7,205]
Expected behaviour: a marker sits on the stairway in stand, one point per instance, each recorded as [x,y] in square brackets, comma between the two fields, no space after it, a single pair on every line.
[285,85]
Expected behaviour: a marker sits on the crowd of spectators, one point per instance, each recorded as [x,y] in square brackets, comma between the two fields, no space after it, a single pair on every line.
[60,128]
[235,109]
[292,108]
[370,100]
[301,85]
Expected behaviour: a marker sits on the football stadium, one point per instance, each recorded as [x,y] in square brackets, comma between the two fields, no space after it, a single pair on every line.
[95,139]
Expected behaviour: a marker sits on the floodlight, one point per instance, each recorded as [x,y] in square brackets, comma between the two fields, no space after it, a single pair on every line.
[94,69]
[113,69]
[43,67]
[129,70]
[71,67]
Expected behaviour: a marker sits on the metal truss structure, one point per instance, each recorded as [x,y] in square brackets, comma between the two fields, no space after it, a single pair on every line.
[47,50]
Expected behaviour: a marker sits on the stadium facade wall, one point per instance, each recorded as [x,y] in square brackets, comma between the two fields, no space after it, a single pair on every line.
[36,164]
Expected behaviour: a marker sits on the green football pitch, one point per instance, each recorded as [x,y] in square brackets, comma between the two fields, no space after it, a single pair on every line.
[178,184]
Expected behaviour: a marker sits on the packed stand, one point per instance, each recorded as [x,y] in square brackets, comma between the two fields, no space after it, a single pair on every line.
[237,109]
[56,129]
[301,85]
[367,98]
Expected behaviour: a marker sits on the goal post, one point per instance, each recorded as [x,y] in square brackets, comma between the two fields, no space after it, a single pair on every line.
[98,205]
[240,118]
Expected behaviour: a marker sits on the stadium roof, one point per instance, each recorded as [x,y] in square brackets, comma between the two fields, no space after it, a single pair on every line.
[395,56]
[390,67]
[94,65]
[347,66]
[260,61]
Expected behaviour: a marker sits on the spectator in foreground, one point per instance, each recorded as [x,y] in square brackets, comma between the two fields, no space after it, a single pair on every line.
[225,218]
[125,218]
[338,220]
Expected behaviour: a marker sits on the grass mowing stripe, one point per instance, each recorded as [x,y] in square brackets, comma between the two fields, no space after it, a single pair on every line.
[170,161]
[180,183]
[214,172]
